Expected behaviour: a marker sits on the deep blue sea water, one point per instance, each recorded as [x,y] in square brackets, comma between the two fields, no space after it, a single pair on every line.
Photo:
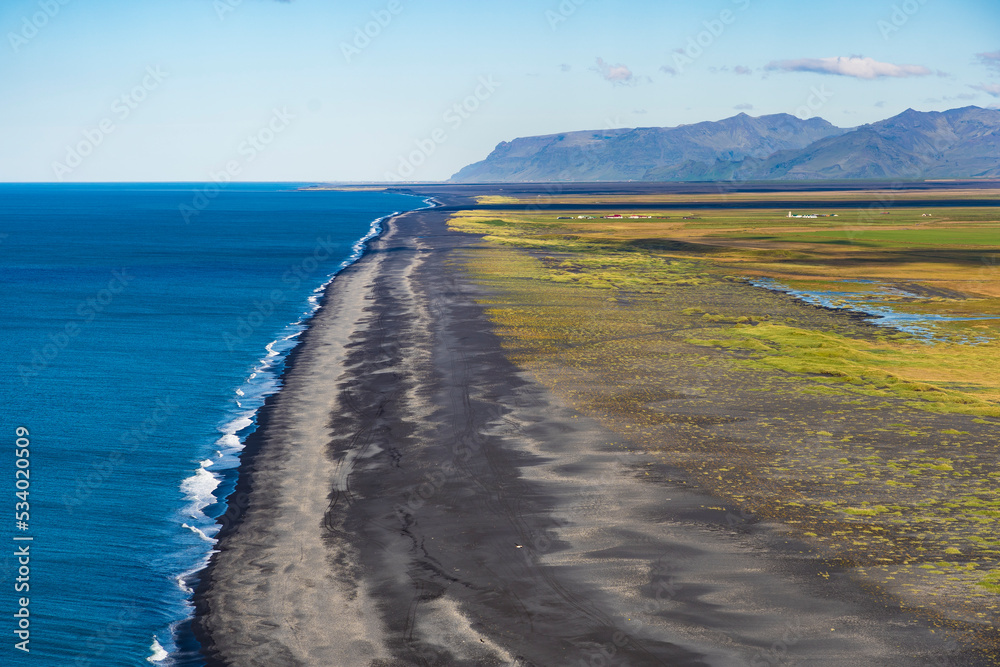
[137,347]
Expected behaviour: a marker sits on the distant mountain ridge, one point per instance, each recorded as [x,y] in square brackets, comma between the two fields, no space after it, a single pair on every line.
[960,143]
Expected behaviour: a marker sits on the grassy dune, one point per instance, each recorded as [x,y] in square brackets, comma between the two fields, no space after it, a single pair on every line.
[877,450]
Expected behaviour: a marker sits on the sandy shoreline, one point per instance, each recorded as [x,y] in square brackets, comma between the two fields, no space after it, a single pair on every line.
[413,498]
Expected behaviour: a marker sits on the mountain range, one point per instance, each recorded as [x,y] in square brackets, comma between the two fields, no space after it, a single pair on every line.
[960,143]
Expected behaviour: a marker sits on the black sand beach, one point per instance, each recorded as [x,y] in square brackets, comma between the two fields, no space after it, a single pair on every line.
[414,498]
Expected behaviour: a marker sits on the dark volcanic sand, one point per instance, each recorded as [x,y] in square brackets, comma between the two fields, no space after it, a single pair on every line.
[415,499]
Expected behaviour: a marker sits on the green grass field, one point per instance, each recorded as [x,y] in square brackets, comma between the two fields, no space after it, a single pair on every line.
[876,447]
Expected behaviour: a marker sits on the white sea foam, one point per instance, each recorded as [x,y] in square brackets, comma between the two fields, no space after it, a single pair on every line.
[159,654]
[181,581]
[236,425]
[199,490]
[200,533]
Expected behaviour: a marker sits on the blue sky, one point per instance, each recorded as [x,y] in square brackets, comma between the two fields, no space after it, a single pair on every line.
[184,90]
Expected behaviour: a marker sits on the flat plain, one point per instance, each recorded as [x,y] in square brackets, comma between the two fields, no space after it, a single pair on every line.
[874,446]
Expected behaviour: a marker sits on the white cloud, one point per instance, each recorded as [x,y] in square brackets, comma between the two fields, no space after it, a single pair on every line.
[854,66]
[616,74]
[991,60]
[989,88]
[735,69]
[743,107]
[963,97]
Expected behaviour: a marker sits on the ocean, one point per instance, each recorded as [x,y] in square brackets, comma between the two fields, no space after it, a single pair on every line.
[143,326]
